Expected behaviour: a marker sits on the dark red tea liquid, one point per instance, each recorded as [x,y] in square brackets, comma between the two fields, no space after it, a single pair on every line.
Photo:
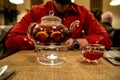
[92,55]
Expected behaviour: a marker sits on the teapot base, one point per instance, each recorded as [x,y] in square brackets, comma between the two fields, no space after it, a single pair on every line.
[50,62]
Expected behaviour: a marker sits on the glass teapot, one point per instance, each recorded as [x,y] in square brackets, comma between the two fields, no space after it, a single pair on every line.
[49,31]
[49,38]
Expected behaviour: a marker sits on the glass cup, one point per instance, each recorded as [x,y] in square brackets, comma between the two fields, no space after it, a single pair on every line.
[91,53]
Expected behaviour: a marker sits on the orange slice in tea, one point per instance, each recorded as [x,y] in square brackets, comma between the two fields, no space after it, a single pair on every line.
[42,36]
[57,36]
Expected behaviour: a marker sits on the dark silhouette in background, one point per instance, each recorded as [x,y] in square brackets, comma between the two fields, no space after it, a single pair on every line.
[106,21]
[97,14]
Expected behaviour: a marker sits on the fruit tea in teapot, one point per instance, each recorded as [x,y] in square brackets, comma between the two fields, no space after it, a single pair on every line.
[49,31]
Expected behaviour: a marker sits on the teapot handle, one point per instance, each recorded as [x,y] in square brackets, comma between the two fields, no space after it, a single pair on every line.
[30,31]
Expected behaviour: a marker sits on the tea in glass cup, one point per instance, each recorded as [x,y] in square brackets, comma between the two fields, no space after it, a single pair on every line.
[92,53]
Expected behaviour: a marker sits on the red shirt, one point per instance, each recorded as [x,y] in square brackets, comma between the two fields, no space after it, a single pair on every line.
[95,33]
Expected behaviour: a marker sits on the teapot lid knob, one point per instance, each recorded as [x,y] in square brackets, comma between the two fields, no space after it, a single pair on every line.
[51,13]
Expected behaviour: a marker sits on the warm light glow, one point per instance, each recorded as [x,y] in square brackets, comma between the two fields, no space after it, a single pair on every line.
[17,1]
[115,2]
[73,0]
[52,57]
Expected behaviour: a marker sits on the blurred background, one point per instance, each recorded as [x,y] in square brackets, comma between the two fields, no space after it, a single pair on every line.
[11,11]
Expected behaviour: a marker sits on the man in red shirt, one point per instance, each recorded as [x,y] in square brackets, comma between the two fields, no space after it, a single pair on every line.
[69,13]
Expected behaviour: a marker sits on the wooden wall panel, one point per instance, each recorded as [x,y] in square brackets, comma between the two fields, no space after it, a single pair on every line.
[36,2]
[96,4]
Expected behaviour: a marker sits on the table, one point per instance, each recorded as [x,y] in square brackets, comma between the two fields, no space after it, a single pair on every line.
[27,68]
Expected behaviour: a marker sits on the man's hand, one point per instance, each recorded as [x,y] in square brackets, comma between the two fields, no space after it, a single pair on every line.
[81,41]
[69,42]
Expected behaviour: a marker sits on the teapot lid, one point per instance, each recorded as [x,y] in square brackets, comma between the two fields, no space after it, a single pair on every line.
[51,18]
